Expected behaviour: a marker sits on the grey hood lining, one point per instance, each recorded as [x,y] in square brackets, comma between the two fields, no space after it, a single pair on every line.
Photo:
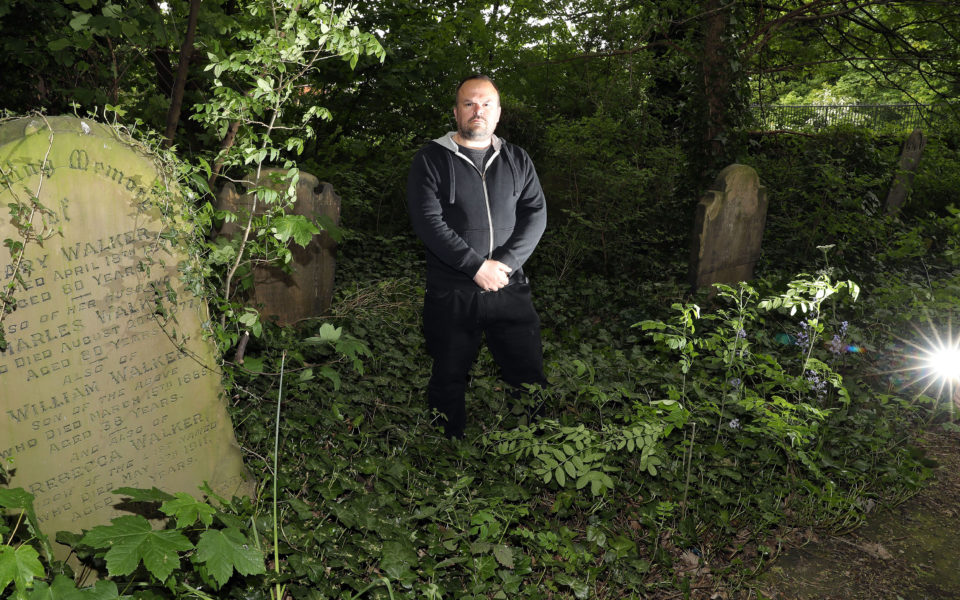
[446,141]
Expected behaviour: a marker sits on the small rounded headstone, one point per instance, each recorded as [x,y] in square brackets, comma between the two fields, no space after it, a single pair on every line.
[728,228]
[305,290]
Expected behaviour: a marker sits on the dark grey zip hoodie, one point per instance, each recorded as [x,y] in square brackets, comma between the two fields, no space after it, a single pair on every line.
[464,217]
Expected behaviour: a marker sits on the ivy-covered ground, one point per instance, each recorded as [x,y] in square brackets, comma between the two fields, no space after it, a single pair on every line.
[641,480]
[686,440]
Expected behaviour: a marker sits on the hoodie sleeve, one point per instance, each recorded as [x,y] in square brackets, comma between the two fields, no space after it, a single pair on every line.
[531,216]
[426,217]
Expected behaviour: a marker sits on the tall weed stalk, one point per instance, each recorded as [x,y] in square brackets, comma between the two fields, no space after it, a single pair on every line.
[279,588]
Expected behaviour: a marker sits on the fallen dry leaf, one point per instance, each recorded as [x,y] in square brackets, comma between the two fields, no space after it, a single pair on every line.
[876,550]
[690,560]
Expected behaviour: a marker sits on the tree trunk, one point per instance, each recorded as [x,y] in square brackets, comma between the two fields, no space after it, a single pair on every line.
[186,51]
[716,76]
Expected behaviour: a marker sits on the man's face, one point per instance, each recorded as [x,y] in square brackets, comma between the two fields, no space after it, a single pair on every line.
[477,110]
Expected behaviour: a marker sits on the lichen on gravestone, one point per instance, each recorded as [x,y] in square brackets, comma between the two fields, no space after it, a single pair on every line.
[106,380]
[728,228]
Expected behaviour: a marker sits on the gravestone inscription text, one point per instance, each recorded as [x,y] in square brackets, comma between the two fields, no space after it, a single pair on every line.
[106,381]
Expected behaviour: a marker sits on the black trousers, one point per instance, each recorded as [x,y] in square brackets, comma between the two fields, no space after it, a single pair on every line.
[454,322]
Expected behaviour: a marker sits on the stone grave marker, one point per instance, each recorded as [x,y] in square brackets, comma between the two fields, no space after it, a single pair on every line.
[98,389]
[307,291]
[906,169]
[728,229]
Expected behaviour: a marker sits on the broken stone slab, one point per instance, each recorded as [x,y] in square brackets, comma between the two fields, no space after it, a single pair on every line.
[906,169]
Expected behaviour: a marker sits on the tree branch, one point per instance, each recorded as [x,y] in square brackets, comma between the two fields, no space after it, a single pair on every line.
[762,36]
[846,59]
[609,53]
[225,146]
[186,51]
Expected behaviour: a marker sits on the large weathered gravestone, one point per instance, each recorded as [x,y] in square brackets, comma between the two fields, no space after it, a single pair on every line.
[728,228]
[906,168]
[106,381]
[307,291]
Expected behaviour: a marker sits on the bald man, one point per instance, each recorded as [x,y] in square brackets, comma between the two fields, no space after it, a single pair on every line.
[476,204]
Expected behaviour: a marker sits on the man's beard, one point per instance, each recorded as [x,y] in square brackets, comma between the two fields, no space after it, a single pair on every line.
[477,133]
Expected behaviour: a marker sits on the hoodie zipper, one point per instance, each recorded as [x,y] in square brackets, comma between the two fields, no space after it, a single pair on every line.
[486,196]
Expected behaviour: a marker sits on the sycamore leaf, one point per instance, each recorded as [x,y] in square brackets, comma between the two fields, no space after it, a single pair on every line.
[131,540]
[201,183]
[18,498]
[332,376]
[253,364]
[79,21]
[353,349]
[102,590]
[59,44]
[19,565]
[222,253]
[330,226]
[187,510]
[224,551]
[297,227]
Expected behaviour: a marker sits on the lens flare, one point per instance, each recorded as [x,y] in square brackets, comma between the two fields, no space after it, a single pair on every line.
[935,366]
[945,363]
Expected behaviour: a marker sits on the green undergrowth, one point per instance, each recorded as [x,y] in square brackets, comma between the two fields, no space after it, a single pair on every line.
[682,442]
[675,455]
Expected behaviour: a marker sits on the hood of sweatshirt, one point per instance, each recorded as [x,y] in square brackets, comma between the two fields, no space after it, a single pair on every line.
[446,141]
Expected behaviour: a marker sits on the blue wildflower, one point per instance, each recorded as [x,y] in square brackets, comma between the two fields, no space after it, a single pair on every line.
[837,345]
[817,385]
[803,336]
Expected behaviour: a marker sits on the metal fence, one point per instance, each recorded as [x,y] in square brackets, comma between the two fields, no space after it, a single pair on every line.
[877,117]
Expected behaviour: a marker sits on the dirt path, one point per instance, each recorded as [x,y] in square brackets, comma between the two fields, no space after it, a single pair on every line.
[909,552]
